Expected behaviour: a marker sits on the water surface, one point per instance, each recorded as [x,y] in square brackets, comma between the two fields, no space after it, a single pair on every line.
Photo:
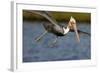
[66,48]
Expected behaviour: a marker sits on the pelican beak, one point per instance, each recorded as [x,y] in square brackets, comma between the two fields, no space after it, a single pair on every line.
[75,28]
[77,35]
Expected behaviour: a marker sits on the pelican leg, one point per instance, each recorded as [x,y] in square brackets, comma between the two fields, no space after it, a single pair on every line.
[39,38]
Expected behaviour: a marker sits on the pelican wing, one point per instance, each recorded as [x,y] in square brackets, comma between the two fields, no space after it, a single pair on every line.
[45,14]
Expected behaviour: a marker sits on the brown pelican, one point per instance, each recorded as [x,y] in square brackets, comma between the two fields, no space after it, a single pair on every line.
[55,28]
[62,31]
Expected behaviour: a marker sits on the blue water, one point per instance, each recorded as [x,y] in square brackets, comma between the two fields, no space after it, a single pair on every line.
[66,48]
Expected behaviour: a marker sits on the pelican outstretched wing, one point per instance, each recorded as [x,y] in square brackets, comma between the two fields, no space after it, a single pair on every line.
[45,14]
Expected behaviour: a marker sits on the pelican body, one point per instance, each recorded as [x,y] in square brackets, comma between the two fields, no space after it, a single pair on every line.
[55,29]
[60,30]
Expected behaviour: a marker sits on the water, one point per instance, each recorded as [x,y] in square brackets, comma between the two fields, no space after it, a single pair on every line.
[66,48]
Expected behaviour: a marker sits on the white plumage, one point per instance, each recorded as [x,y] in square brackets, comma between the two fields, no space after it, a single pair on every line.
[66,30]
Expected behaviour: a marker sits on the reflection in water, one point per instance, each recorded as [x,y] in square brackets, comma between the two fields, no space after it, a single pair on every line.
[66,47]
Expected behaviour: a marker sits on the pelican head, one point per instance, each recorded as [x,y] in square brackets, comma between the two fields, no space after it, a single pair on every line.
[72,22]
[72,19]
[72,26]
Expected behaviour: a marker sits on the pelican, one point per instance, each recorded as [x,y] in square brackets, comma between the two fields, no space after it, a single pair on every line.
[54,28]
[62,31]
